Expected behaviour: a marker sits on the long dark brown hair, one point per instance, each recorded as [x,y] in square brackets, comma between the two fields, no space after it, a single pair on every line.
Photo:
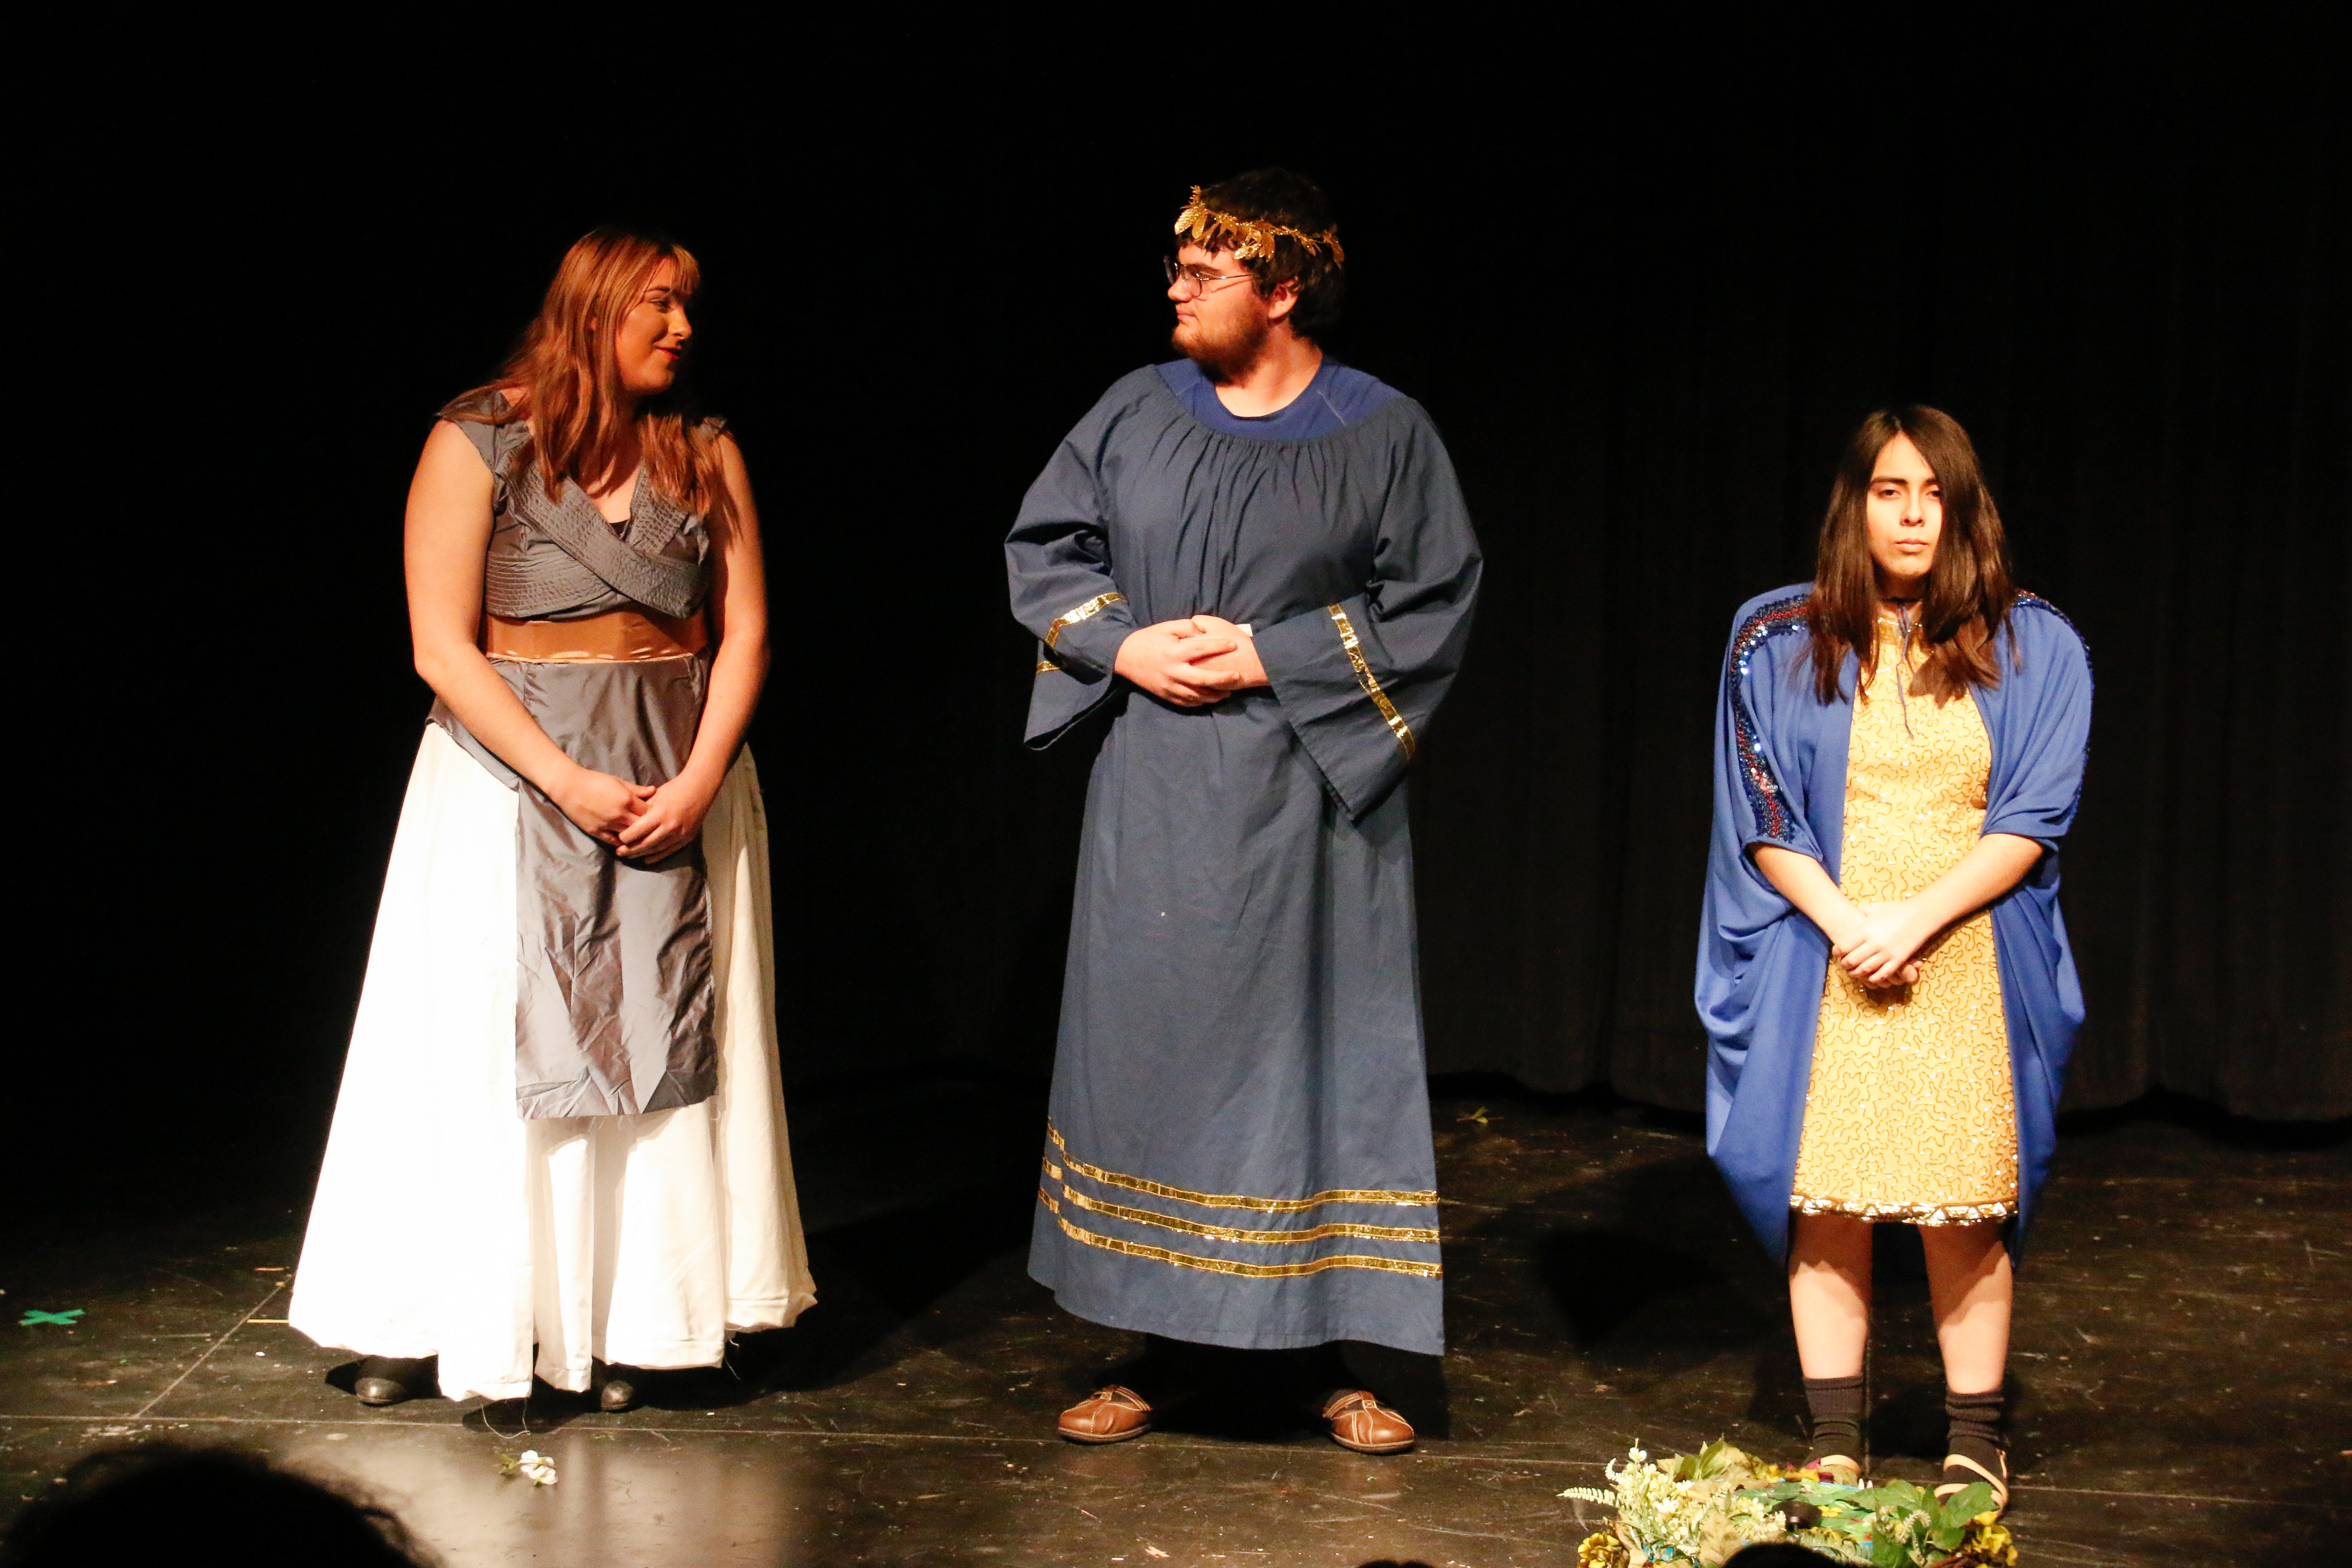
[566,381]
[1969,589]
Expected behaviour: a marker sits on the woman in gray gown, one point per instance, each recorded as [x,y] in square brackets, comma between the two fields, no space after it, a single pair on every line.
[559,1145]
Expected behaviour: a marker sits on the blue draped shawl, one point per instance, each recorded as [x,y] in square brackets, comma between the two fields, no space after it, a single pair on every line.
[1779,778]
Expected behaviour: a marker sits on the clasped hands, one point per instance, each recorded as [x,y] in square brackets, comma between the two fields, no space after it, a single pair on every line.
[638,822]
[1193,662]
[1880,947]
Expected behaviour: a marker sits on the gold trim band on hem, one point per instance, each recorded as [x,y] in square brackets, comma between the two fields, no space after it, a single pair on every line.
[1054,632]
[1905,1214]
[1047,667]
[1237,1201]
[1370,683]
[1229,1233]
[1246,1270]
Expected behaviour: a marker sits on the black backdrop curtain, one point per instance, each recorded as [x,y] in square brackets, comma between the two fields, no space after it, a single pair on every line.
[2141,321]
[1645,289]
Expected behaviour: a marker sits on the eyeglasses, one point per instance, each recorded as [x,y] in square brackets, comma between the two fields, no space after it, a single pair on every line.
[1192,282]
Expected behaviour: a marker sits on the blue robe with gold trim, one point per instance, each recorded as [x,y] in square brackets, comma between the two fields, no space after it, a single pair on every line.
[1240,1148]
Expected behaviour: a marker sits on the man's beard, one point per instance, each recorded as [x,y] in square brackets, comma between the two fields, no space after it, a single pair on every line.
[1226,357]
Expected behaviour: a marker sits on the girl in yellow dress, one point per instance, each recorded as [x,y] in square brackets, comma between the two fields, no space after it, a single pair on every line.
[1884,973]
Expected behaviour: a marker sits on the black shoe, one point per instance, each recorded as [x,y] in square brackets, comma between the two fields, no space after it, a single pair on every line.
[617,1393]
[390,1380]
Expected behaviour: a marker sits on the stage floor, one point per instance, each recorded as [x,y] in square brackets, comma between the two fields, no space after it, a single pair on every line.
[2184,1366]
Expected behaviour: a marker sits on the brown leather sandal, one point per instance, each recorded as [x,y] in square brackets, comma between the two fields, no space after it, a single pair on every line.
[1843,1468]
[1110,1414]
[1363,1423]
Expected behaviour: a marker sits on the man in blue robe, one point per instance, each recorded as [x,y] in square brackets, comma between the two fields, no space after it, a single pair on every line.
[1259,560]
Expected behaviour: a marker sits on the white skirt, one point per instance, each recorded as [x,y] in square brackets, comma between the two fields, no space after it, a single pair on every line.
[446,1224]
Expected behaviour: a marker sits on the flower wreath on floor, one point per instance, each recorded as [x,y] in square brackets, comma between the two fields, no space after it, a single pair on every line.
[1702,1507]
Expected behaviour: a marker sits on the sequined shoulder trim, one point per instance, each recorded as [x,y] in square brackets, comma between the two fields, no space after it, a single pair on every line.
[2025,600]
[2035,601]
[1766,798]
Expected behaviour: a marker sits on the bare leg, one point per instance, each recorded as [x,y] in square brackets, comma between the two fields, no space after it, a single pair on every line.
[1829,1292]
[1969,1281]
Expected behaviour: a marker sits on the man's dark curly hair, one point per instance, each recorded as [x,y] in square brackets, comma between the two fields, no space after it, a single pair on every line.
[1277,195]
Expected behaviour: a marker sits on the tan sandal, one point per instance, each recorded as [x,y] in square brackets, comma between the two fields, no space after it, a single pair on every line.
[1110,1414]
[1843,1468]
[1363,1423]
[1961,1472]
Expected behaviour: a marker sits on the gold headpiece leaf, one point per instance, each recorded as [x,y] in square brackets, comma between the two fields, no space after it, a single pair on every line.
[1253,236]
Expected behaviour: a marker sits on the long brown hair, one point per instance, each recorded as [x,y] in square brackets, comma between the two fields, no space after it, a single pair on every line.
[566,380]
[1969,588]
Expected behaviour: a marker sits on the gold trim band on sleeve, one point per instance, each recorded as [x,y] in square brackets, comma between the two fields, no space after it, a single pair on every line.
[1236,1200]
[1249,1270]
[1228,1233]
[1370,683]
[1054,633]
[1047,667]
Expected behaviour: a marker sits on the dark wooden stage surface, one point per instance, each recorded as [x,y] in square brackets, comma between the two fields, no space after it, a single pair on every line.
[2184,1366]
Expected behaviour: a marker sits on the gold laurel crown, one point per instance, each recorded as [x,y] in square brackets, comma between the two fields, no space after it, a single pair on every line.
[1199,220]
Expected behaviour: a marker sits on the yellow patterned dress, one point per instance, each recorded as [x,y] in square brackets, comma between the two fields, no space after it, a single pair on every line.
[1910,1113]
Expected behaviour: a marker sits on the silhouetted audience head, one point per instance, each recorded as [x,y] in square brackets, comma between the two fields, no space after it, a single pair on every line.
[1776,1554]
[160,1504]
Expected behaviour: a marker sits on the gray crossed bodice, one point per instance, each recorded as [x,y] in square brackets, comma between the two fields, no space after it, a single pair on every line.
[559,560]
